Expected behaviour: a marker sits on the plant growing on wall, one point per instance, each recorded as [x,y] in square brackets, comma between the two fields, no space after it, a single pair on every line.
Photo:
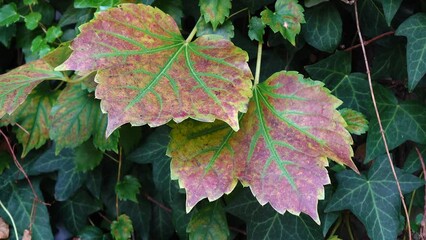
[166,118]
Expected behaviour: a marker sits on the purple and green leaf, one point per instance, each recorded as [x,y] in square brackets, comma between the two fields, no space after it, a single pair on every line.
[148,74]
[281,151]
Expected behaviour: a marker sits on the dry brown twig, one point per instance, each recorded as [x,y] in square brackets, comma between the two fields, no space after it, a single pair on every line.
[378,118]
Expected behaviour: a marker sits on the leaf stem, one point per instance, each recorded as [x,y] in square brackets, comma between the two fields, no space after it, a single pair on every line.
[11,219]
[258,64]
[192,34]
[336,226]
[348,226]
[382,131]
[237,12]
[117,210]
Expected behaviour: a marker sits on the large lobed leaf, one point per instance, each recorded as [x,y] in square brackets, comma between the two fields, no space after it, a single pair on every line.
[18,83]
[373,197]
[281,152]
[414,28]
[148,74]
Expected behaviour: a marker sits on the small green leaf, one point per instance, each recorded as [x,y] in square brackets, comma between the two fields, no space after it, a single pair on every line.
[91,233]
[209,223]
[75,117]
[414,28]
[286,19]
[87,157]
[323,28]
[53,33]
[373,197]
[256,29]
[390,7]
[357,123]
[226,30]
[128,188]
[215,11]
[8,14]
[31,20]
[122,228]
[75,211]
[40,46]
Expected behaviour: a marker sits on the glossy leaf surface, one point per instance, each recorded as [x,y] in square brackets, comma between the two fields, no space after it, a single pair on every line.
[76,117]
[390,7]
[414,28]
[128,188]
[18,83]
[281,151]
[148,74]
[377,190]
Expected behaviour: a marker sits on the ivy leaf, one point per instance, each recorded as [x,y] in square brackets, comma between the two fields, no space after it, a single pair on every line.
[75,211]
[256,29]
[209,223]
[351,88]
[31,20]
[87,157]
[371,18]
[215,11]
[414,28]
[357,124]
[33,116]
[8,14]
[148,74]
[286,19]
[265,223]
[390,7]
[401,122]
[287,135]
[122,228]
[18,198]
[5,159]
[373,197]
[323,28]
[18,83]
[69,178]
[75,117]
[128,188]
[7,33]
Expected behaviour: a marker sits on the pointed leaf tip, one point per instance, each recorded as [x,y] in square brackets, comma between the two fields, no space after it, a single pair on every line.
[148,74]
